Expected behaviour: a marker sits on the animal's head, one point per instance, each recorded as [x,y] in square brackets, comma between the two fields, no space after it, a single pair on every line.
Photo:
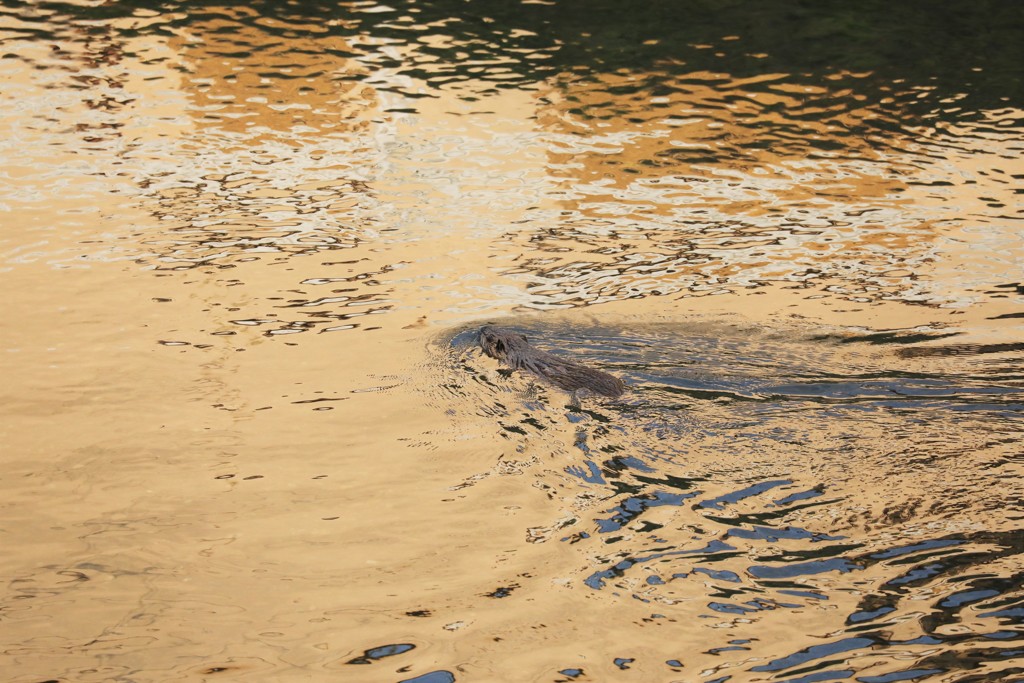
[495,342]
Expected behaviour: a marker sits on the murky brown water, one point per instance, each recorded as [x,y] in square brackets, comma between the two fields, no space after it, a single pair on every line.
[247,433]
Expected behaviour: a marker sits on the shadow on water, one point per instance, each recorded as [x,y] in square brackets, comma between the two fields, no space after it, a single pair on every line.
[751,472]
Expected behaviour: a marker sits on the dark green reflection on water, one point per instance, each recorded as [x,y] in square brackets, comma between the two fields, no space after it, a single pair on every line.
[970,50]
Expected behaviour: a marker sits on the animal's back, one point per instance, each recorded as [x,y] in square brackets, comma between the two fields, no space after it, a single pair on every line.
[516,351]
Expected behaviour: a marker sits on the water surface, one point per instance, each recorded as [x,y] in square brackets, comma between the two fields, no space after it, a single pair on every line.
[248,435]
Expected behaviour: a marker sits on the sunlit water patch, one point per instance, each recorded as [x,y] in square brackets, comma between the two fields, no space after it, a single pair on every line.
[674,181]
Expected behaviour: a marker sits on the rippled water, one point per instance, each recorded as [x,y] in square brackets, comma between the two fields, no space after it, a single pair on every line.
[755,477]
[793,230]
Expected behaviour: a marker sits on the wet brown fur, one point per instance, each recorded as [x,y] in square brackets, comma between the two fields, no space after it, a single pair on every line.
[515,351]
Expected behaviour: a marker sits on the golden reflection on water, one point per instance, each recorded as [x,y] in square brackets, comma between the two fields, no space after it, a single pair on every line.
[284,91]
[809,473]
[709,183]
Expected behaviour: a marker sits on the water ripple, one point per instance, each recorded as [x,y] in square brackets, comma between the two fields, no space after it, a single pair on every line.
[728,513]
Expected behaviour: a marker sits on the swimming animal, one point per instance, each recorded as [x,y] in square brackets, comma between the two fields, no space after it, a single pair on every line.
[515,351]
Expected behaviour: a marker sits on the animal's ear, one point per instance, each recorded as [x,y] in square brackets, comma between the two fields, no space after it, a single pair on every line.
[499,346]
[523,337]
